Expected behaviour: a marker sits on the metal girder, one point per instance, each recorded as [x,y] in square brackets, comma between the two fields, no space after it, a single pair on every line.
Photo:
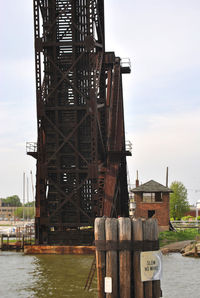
[81,163]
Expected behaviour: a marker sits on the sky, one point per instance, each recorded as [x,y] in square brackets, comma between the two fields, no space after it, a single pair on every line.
[161,95]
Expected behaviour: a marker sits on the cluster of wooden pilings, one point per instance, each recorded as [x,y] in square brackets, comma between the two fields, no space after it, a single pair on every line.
[119,244]
[7,244]
[23,236]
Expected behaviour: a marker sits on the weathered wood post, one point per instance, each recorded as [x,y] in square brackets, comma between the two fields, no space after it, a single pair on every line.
[137,236]
[1,241]
[124,225]
[22,242]
[100,255]
[156,283]
[148,234]
[111,225]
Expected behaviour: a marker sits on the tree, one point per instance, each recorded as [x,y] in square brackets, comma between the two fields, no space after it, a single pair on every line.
[30,204]
[27,211]
[179,204]
[12,201]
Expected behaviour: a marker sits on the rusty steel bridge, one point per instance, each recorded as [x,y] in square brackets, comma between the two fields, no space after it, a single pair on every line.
[80,151]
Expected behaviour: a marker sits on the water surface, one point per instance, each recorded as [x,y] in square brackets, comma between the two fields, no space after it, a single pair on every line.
[45,276]
[181,276]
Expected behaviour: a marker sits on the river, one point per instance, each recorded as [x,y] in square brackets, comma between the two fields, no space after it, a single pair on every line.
[180,276]
[23,276]
[45,276]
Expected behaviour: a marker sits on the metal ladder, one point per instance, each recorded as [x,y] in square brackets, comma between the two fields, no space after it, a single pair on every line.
[90,275]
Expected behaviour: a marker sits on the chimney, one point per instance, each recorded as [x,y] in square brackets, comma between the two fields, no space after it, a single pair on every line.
[137,181]
[167,177]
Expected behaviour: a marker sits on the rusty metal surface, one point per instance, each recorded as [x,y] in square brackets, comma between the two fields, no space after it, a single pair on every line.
[81,155]
[59,250]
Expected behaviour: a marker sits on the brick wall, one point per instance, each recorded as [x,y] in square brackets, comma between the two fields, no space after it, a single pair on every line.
[161,209]
[191,213]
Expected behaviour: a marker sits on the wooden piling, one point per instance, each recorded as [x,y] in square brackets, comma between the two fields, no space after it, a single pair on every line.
[22,242]
[157,293]
[137,236]
[100,256]
[124,225]
[148,234]
[1,241]
[111,225]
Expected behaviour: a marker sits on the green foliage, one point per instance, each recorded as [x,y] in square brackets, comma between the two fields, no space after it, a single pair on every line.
[30,204]
[12,201]
[180,235]
[28,212]
[188,217]
[198,217]
[179,204]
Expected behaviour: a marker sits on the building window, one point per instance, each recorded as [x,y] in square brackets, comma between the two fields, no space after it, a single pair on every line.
[158,197]
[148,197]
[151,197]
[151,213]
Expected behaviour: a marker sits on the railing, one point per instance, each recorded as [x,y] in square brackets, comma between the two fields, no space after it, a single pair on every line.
[180,224]
[125,62]
[31,147]
[129,146]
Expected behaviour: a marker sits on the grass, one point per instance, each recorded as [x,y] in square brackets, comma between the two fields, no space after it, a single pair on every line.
[180,235]
[14,241]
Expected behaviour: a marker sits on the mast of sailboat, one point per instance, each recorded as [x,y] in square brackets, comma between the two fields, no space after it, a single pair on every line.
[32,190]
[23,193]
[27,188]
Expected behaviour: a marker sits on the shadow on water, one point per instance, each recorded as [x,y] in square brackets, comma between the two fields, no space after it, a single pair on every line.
[44,276]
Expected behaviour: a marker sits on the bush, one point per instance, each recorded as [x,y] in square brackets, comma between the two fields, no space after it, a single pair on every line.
[188,217]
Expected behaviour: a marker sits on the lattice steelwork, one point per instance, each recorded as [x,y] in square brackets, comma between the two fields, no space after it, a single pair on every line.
[81,163]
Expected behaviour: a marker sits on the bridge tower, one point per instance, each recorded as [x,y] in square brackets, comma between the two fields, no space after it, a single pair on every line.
[80,152]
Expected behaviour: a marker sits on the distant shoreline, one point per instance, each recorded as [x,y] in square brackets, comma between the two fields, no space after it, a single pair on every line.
[15,222]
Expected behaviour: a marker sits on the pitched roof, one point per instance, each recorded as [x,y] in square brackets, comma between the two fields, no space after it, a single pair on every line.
[151,186]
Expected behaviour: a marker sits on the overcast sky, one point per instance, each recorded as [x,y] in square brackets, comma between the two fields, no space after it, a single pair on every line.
[161,95]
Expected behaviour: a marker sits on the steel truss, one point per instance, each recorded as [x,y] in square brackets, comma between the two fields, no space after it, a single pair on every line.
[81,155]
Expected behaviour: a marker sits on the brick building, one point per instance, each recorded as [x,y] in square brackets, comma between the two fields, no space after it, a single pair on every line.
[194,210]
[152,200]
[6,212]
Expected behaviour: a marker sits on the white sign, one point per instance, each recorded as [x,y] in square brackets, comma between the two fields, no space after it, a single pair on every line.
[108,284]
[151,265]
